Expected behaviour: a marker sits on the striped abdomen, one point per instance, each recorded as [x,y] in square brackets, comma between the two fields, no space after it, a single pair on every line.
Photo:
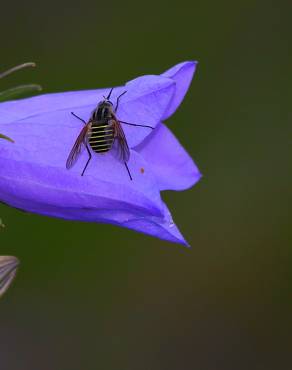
[101,137]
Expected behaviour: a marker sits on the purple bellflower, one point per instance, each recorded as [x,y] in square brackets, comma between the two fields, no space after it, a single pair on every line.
[33,173]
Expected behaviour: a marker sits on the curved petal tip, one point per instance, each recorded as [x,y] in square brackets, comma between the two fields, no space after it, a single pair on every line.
[182,74]
[172,165]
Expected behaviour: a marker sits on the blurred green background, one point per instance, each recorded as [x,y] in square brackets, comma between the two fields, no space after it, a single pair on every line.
[92,296]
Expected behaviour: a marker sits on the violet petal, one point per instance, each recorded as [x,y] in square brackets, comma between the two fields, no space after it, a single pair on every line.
[39,187]
[43,190]
[160,227]
[182,74]
[145,102]
[171,164]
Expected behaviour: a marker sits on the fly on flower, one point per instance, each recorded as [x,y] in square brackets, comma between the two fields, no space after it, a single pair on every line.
[103,132]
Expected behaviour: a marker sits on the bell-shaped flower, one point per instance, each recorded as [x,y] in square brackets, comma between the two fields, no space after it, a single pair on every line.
[33,174]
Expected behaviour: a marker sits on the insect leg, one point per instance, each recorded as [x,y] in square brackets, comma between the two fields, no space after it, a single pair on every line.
[118,99]
[134,124]
[87,163]
[128,171]
[109,95]
[73,114]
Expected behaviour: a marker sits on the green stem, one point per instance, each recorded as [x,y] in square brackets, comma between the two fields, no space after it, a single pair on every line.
[17,68]
[22,89]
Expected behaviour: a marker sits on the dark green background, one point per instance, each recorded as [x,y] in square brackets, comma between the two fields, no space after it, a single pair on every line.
[92,296]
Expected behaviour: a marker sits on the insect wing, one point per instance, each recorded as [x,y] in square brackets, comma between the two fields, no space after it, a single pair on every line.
[123,151]
[76,150]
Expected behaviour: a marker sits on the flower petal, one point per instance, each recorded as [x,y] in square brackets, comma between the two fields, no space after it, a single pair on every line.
[182,74]
[160,227]
[171,164]
[45,191]
[145,102]
[147,98]
[35,185]
[6,116]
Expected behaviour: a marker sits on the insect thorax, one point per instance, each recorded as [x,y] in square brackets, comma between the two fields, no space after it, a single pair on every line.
[103,112]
